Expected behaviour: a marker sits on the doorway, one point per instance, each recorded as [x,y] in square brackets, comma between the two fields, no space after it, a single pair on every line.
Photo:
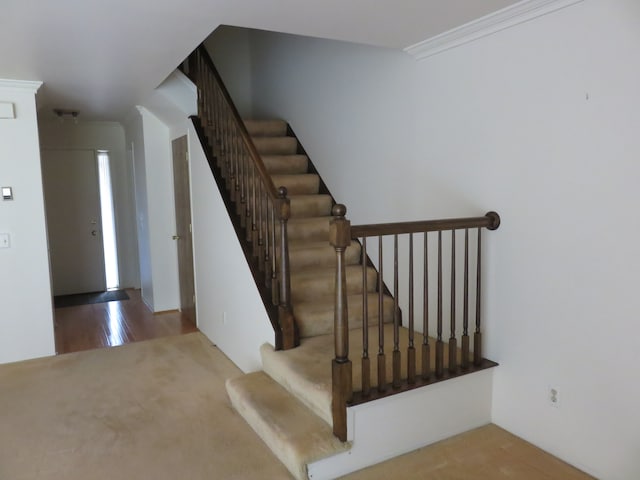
[80,221]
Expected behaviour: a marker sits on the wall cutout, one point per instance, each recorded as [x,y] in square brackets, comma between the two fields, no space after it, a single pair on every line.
[7,110]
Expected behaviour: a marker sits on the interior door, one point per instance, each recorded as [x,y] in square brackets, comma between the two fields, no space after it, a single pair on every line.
[72,198]
[183,228]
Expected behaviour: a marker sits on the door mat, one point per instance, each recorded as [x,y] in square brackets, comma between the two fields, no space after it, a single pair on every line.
[89,298]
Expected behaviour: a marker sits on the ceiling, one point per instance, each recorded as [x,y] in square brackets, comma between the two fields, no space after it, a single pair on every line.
[103,57]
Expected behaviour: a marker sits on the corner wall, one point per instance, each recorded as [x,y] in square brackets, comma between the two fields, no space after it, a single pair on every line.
[538,122]
[26,322]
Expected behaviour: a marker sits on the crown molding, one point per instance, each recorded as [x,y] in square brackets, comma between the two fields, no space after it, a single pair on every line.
[489,24]
[32,86]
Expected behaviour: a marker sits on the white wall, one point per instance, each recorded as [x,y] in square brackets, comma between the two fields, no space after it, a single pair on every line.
[230,311]
[105,136]
[540,123]
[26,321]
[230,50]
[153,172]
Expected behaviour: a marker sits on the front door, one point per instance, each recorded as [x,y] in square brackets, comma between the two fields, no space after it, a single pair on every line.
[72,200]
[183,228]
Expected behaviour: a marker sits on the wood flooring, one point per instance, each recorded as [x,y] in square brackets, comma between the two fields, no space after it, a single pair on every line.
[86,327]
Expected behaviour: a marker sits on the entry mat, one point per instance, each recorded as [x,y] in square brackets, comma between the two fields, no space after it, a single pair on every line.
[89,298]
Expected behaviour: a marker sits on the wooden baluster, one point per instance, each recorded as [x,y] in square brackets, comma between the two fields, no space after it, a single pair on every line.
[411,351]
[340,238]
[244,188]
[366,364]
[439,343]
[267,242]
[290,337]
[239,150]
[453,344]
[396,318]
[477,336]
[382,362]
[465,312]
[275,296]
[261,200]
[426,350]
[248,213]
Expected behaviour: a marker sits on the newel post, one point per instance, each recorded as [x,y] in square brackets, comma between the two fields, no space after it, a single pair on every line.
[290,337]
[340,238]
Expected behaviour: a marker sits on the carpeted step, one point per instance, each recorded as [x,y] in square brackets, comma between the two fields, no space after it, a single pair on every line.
[299,184]
[311,205]
[293,433]
[316,317]
[286,164]
[266,128]
[312,229]
[276,145]
[319,254]
[303,371]
[313,283]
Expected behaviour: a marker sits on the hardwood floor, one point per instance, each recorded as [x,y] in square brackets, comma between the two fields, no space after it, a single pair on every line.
[86,327]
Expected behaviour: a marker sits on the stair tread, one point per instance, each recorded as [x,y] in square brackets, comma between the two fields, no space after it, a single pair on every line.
[266,127]
[307,205]
[293,432]
[316,317]
[286,164]
[298,183]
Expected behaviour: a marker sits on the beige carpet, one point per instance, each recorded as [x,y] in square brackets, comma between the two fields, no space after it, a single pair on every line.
[150,410]
[158,410]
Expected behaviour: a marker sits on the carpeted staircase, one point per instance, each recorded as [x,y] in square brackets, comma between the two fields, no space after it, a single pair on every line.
[289,403]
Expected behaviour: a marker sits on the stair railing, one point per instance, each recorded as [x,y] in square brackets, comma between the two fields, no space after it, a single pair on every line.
[418,368]
[263,209]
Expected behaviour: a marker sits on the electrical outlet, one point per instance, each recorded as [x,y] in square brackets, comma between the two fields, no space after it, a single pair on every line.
[224,318]
[553,397]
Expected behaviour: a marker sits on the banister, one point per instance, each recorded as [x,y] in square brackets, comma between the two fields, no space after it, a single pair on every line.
[244,134]
[341,234]
[491,221]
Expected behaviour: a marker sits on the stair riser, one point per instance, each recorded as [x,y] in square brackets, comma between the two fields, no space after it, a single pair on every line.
[304,184]
[276,145]
[286,164]
[311,206]
[266,128]
[308,289]
[320,257]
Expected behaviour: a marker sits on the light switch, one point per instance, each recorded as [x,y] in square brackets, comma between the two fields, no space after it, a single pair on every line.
[7,193]
[4,240]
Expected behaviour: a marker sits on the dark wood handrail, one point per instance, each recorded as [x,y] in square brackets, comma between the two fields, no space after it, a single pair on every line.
[341,235]
[272,191]
[491,221]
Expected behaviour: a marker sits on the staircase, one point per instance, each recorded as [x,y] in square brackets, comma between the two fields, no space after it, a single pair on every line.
[326,301]
[289,403]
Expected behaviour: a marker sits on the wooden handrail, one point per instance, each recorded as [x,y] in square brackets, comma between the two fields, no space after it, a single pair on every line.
[342,233]
[272,191]
[490,221]
[260,208]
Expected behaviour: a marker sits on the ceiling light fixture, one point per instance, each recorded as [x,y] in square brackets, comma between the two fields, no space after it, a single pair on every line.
[61,114]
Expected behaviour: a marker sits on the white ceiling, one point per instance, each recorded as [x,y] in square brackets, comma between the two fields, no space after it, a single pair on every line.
[101,57]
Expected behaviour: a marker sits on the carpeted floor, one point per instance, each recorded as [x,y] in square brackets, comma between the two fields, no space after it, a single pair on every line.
[159,410]
[150,410]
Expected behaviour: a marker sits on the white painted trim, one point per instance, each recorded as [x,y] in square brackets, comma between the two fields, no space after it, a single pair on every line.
[29,85]
[489,24]
[398,424]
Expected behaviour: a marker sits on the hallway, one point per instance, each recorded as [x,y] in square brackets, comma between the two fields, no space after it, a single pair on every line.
[86,327]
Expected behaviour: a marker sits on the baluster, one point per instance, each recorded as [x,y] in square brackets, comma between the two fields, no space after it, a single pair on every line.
[287,323]
[340,238]
[248,213]
[261,200]
[411,351]
[274,270]
[477,336]
[396,318]
[267,242]
[426,350]
[439,343]
[366,365]
[453,344]
[244,188]
[232,163]
[254,211]
[382,362]
[465,311]
[238,150]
